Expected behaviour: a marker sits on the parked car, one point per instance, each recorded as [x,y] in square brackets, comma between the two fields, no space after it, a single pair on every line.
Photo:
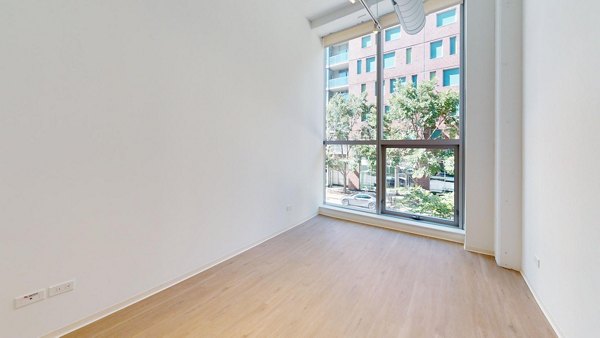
[360,200]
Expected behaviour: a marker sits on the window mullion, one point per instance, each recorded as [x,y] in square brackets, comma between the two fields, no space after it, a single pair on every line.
[380,106]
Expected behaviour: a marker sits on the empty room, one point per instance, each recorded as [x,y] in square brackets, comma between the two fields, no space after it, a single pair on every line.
[310,168]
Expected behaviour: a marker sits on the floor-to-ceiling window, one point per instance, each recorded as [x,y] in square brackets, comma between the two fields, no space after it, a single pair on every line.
[394,146]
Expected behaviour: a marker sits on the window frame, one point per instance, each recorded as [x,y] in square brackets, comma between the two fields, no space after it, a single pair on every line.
[439,24]
[369,64]
[425,144]
[389,36]
[452,46]
[447,71]
[382,144]
[439,45]
[386,57]
[369,40]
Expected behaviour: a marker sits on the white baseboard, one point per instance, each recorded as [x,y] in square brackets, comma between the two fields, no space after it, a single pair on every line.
[413,227]
[480,251]
[541,305]
[106,312]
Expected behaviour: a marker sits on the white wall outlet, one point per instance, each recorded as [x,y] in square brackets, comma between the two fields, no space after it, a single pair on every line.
[30,298]
[288,208]
[538,262]
[61,288]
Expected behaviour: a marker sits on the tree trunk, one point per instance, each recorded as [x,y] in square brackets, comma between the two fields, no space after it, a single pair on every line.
[345,178]
[423,182]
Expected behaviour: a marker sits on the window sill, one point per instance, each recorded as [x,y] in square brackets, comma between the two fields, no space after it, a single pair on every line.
[393,223]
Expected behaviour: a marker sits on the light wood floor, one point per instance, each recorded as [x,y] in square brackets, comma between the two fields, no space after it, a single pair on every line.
[332,278]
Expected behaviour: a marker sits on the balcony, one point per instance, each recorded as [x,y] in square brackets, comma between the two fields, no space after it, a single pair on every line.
[337,84]
[338,61]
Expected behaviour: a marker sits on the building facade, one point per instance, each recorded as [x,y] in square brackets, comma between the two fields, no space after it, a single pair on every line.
[431,54]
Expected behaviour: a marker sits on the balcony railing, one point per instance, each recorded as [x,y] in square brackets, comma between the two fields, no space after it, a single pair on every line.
[338,82]
[340,58]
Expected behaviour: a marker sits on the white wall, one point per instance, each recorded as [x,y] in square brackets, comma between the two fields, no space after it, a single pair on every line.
[142,140]
[508,161]
[561,101]
[479,125]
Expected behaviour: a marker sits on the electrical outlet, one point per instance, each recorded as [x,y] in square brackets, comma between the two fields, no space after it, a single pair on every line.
[61,288]
[30,298]
[538,262]
[288,208]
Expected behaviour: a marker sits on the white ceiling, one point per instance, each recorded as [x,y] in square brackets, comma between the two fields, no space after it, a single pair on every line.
[315,8]
[328,16]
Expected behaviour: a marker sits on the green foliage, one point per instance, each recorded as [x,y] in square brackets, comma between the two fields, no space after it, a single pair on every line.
[424,113]
[420,201]
[423,162]
[343,115]
[416,113]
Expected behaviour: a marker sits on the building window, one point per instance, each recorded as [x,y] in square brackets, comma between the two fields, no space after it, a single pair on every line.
[371,65]
[389,60]
[446,18]
[395,150]
[451,77]
[436,49]
[366,41]
[453,45]
[392,34]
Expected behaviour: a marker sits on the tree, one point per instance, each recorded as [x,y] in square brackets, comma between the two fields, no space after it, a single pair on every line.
[422,113]
[343,115]
[416,113]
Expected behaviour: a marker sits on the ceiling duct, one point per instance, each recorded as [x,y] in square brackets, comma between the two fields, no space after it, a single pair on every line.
[411,15]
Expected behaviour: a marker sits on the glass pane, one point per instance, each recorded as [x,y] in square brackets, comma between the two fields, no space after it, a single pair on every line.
[389,60]
[392,33]
[453,45]
[350,172]
[436,49]
[446,17]
[420,182]
[425,99]
[351,103]
[451,77]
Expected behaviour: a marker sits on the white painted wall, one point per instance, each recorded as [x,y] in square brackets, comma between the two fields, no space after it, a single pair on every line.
[561,186]
[479,125]
[142,140]
[508,164]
